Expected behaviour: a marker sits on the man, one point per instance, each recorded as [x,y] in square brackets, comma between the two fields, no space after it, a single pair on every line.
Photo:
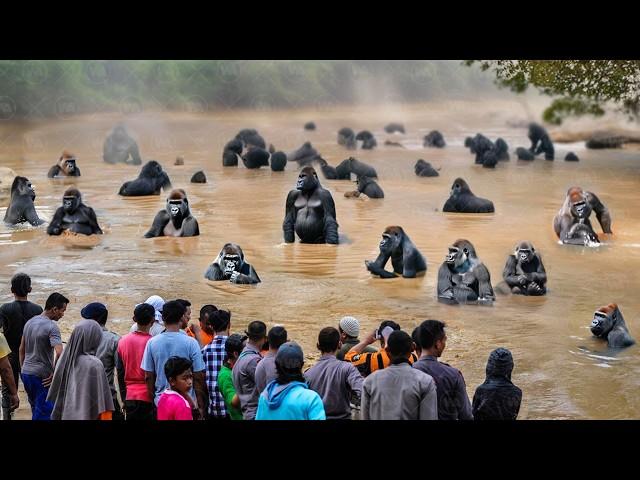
[244,371]
[337,382]
[6,375]
[186,318]
[349,328]
[266,369]
[399,392]
[213,356]
[203,332]
[173,343]
[13,317]
[453,401]
[40,339]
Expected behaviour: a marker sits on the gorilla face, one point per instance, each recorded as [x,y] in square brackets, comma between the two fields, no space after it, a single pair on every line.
[70,166]
[177,207]
[231,262]
[581,209]
[524,255]
[456,257]
[601,324]
[26,188]
[307,180]
[391,240]
[459,186]
[70,203]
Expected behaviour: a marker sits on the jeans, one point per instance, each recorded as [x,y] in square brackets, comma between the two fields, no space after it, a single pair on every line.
[139,410]
[40,408]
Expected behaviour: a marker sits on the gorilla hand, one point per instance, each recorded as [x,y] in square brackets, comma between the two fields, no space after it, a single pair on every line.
[234,276]
[376,269]
[534,289]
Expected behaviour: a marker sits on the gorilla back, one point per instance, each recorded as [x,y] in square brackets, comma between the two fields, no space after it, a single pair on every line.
[150,181]
[462,200]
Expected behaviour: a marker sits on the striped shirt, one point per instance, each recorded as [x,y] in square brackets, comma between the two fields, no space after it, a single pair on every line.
[367,363]
[214,355]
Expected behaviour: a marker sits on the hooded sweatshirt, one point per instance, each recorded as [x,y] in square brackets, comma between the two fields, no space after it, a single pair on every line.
[292,401]
[497,398]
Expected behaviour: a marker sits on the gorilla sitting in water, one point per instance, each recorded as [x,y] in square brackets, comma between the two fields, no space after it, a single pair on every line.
[251,138]
[310,211]
[309,126]
[119,147]
[176,219]
[394,128]
[479,145]
[278,161]
[434,139]
[462,277]
[347,137]
[21,208]
[151,179]
[501,150]
[524,271]
[524,154]
[609,324]
[341,172]
[424,169]
[540,141]
[66,167]
[199,177]
[572,225]
[367,139]
[368,186]
[405,257]
[256,157]
[231,152]
[230,265]
[304,155]
[74,216]
[462,200]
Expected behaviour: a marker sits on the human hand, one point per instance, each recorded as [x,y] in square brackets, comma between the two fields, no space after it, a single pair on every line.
[47,381]
[14,402]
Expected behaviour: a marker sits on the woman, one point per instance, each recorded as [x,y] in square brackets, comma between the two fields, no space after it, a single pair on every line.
[157,303]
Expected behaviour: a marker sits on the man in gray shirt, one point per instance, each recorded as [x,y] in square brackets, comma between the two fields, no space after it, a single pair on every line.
[335,381]
[244,371]
[399,392]
[266,369]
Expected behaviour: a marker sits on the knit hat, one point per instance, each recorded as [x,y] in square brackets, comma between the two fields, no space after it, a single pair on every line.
[350,326]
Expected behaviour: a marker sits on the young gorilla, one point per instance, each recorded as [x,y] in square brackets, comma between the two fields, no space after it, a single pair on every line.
[21,208]
[176,219]
[462,277]
[540,141]
[424,169]
[231,152]
[462,200]
[230,265]
[405,257]
[368,186]
[74,216]
[608,323]
[434,139]
[310,211]
[151,179]
[572,225]
[66,166]
[119,146]
[524,271]
[347,137]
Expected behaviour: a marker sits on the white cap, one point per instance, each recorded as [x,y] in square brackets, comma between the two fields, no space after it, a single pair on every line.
[350,326]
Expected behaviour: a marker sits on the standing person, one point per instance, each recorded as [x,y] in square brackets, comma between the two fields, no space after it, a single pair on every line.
[175,402]
[288,397]
[266,369]
[244,371]
[453,401]
[158,326]
[349,328]
[173,343]
[213,356]
[399,392]
[233,347]
[13,317]
[6,375]
[336,381]
[80,389]
[415,336]
[40,339]
[497,398]
[203,333]
[186,318]
[133,389]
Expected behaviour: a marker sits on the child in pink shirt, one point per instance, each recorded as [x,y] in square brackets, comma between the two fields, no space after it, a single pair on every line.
[177,404]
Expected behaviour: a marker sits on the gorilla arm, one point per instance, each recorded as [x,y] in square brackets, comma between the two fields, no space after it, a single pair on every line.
[159,222]
[602,212]
[31,215]
[288,226]
[190,227]
[246,279]
[412,261]
[330,223]
[53,171]
[135,154]
[485,290]
[619,338]
[166,183]
[92,220]
[510,275]
[377,266]
[446,288]
[55,226]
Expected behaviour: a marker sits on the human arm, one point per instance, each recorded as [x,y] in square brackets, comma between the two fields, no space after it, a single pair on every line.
[122,386]
[202,395]
[429,402]
[462,400]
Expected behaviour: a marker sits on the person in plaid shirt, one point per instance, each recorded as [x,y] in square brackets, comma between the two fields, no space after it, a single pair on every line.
[214,356]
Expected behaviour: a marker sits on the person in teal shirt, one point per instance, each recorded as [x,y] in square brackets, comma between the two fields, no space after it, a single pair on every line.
[233,346]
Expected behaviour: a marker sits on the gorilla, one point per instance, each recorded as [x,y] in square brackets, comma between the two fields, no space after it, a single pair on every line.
[341,172]
[524,154]
[572,225]
[462,277]
[151,179]
[368,186]
[389,143]
[434,139]
[405,257]
[540,141]
[424,169]
[571,157]
[608,323]
[368,140]
[199,177]
[66,166]
[231,152]
[310,211]
[360,169]
[347,137]
[462,200]
[524,271]
[230,265]
[309,126]
[256,157]
[251,138]
[304,155]
[21,208]
[394,128]
[598,142]
[119,147]
[502,150]
[278,161]
[479,145]
[176,219]
[74,216]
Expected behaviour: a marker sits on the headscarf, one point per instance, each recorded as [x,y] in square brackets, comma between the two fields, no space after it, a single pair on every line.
[80,389]
[157,303]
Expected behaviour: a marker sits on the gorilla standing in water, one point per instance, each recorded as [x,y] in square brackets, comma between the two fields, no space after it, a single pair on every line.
[572,225]
[524,271]
[74,216]
[347,137]
[609,324]
[434,139]
[405,257]
[462,200]
[310,211]
[304,155]
[66,166]
[230,265]
[151,179]
[176,219]
[119,147]
[540,141]
[462,277]
[21,208]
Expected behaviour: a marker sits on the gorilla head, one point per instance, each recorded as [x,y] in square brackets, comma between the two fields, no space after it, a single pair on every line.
[459,187]
[468,142]
[460,254]
[67,163]
[151,169]
[22,186]
[307,180]
[604,319]
[120,132]
[178,206]
[71,200]
[391,239]
[230,259]
[580,208]
[525,252]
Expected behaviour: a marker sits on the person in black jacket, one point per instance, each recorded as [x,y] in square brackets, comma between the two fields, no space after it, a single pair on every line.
[497,398]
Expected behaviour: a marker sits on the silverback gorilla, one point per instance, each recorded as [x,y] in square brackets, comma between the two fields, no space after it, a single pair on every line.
[310,211]
[462,200]
[74,216]
[119,147]
[176,219]
[540,141]
[609,324]
[230,265]
[151,179]
[524,271]
[572,225]
[405,257]
[66,166]
[462,277]
[21,208]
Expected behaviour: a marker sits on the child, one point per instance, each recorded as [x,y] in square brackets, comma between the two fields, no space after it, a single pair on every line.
[177,404]
[233,347]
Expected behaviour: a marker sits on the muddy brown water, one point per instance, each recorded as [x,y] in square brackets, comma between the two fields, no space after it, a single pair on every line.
[307,287]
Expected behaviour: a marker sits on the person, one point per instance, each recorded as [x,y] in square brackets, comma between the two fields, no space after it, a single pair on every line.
[13,317]
[453,401]
[138,404]
[233,347]
[399,392]
[266,369]
[175,402]
[40,340]
[6,375]
[349,328]
[203,333]
[213,356]
[173,343]
[367,363]
[288,397]
[80,389]
[186,318]
[415,336]
[158,326]
[336,381]
[244,371]
[497,398]
[107,351]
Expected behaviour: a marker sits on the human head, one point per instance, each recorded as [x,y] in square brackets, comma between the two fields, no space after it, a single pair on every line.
[415,336]
[289,362]
[56,305]
[95,311]
[205,313]
[432,336]
[257,333]
[220,321]
[277,336]
[21,285]
[179,374]
[234,346]
[500,363]
[328,340]
[349,327]
[173,312]
[144,314]
[187,313]
[384,330]
[157,303]
[399,346]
